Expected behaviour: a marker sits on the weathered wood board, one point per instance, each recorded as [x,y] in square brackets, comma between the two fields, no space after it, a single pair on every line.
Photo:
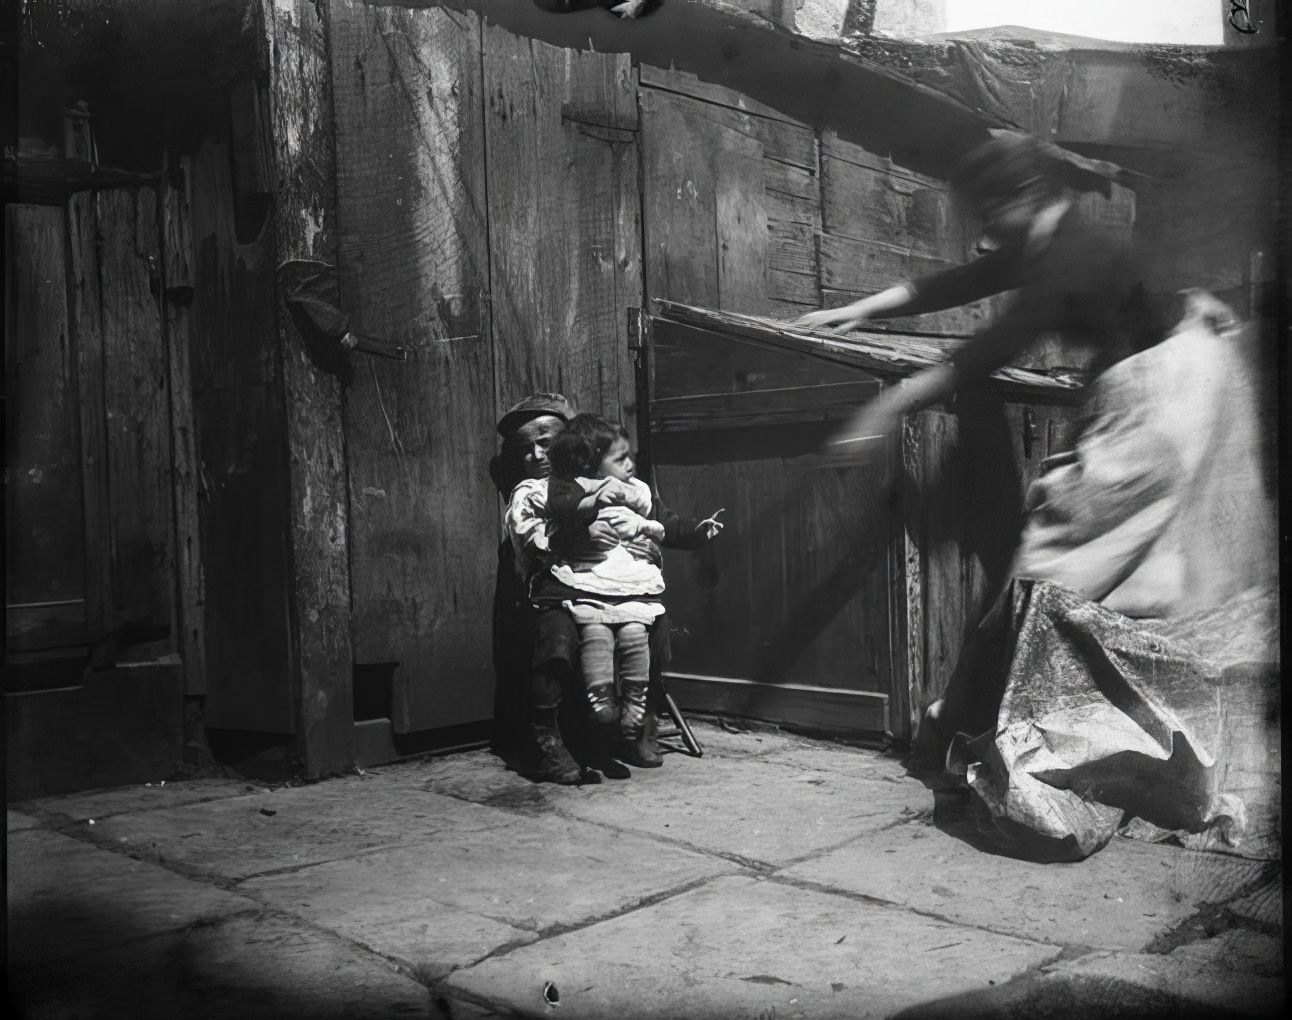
[694,138]
[882,224]
[561,137]
[137,408]
[414,270]
[45,561]
[177,291]
[300,110]
[87,329]
[239,419]
[795,590]
[732,210]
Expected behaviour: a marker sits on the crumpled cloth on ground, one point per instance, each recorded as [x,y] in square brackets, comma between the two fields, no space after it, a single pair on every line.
[1104,718]
[1141,670]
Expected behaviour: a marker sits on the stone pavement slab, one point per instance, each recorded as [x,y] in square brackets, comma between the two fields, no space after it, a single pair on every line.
[843,761]
[740,947]
[769,814]
[100,804]
[1119,898]
[480,777]
[67,897]
[244,836]
[243,969]
[386,902]
[547,872]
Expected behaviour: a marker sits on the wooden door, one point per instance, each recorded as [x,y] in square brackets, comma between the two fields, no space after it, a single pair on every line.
[91,503]
[47,600]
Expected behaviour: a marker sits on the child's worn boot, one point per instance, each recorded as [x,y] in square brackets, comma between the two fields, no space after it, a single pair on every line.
[554,765]
[637,743]
[605,715]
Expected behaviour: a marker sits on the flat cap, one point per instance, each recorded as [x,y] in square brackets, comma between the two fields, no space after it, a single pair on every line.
[534,406]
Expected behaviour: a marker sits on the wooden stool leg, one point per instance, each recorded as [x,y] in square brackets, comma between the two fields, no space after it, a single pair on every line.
[684,731]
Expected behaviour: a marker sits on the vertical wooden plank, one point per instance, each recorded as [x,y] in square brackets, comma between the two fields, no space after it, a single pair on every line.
[554,119]
[136,404]
[629,275]
[741,232]
[906,577]
[414,268]
[300,105]
[45,541]
[87,324]
[243,507]
[178,276]
[943,506]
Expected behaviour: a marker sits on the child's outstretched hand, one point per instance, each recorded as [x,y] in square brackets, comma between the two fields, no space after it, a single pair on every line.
[711,526]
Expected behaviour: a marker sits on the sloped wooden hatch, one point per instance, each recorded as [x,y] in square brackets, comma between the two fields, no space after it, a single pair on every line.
[889,355]
[836,599]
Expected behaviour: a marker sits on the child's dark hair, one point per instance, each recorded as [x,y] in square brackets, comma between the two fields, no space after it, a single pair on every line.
[580,448]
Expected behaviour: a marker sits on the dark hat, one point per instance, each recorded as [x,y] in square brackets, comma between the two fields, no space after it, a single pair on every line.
[1011,161]
[534,406]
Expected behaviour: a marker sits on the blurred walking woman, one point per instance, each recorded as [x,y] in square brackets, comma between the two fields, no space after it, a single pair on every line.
[1073,279]
[1111,643]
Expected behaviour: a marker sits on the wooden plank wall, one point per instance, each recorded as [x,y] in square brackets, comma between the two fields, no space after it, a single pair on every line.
[177,295]
[414,270]
[789,592]
[732,208]
[239,417]
[563,221]
[881,224]
[489,221]
[87,331]
[796,590]
[45,541]
[136,404]
[821,221]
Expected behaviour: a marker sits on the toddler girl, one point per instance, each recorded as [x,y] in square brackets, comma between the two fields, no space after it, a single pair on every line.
[613,594]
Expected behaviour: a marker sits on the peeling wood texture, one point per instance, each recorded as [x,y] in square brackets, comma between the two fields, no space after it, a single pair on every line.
[177,284]
[239,419]
[300,106]
[907,584]
[414,270]
[563,234]
[45,552]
